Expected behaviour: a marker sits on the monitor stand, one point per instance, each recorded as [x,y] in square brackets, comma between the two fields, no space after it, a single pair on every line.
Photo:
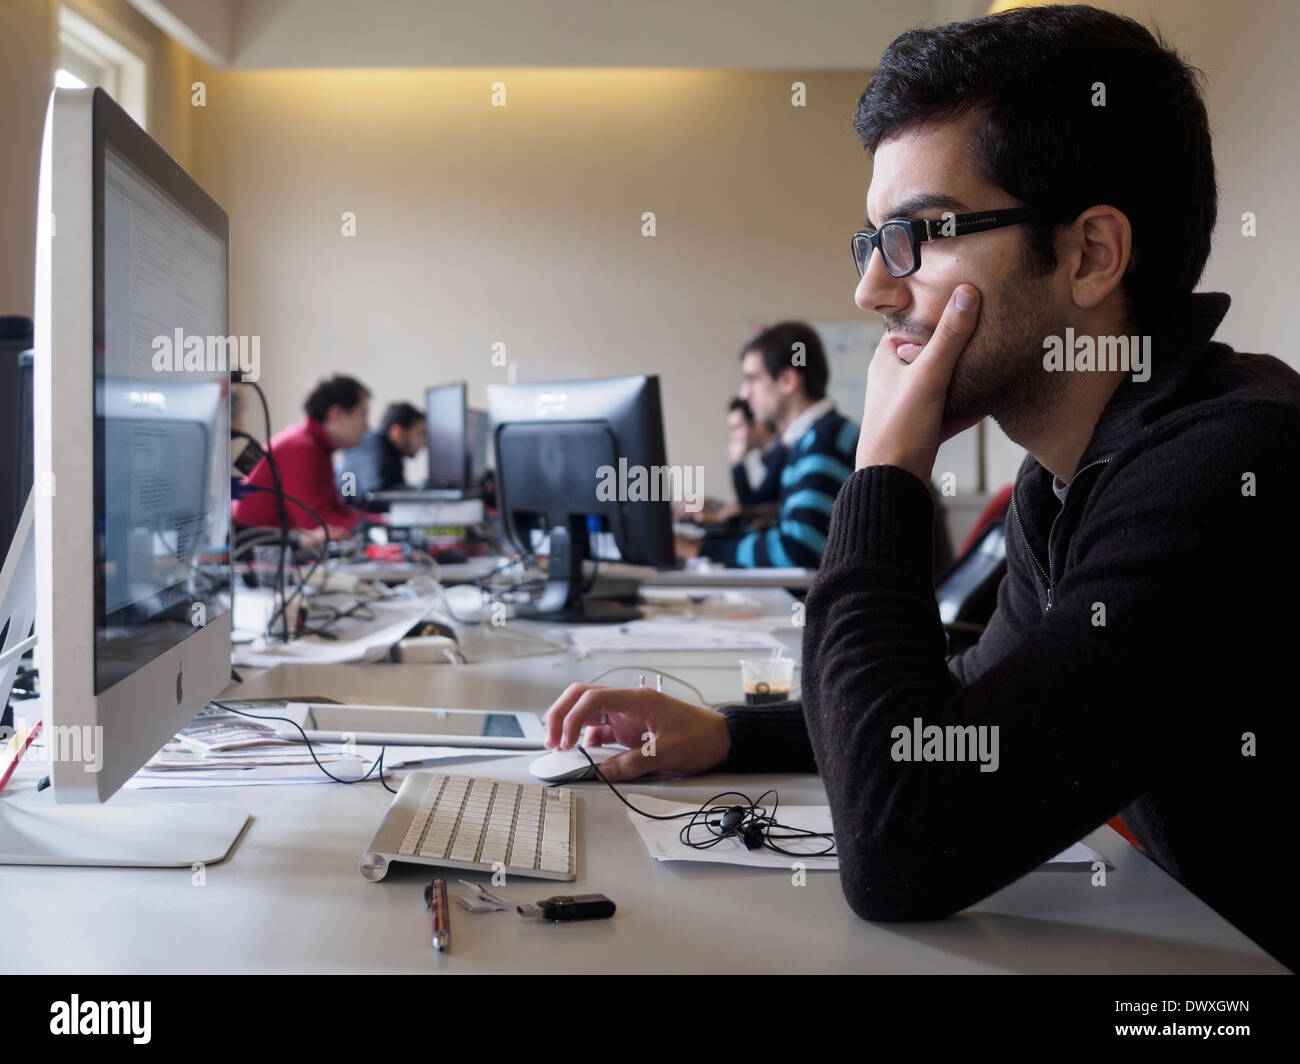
[562,599]
[129,830]
[36,831]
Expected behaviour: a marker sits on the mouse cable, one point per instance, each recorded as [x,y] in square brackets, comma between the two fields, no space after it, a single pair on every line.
[378,762]
[755,821]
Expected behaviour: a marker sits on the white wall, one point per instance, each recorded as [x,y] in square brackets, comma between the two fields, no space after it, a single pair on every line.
[28,57]
[522,225]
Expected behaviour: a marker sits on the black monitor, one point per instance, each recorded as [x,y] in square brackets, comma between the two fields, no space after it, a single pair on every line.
[560,446]
[447,420]
[478,431]
[17,463]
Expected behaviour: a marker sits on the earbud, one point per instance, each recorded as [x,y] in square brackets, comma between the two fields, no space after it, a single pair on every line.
[732,819]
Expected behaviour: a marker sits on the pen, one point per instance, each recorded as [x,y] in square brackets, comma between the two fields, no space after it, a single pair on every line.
[18,747]
[435,898]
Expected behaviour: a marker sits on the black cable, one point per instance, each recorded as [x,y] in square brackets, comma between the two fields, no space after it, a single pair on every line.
[378,762]
[754,817]
[316,563]
[281,510]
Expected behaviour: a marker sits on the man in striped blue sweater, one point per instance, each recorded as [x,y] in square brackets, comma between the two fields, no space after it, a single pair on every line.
[785,374]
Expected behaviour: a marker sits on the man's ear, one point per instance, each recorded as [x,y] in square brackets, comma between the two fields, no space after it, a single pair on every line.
[787,381]
[1100,248]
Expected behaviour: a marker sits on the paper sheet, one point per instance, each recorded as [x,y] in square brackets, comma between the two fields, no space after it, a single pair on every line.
[358,640]
[345,768]
[662,839]
[671,635]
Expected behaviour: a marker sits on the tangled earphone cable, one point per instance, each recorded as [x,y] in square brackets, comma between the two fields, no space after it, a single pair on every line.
[750,821]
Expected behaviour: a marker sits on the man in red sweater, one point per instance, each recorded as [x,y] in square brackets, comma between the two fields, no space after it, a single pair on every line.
[337,410]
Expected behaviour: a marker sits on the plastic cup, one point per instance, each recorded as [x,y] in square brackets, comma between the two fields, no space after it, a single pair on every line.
[766,680]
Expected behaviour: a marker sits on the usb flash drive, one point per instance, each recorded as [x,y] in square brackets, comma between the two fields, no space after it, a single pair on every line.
[565,907]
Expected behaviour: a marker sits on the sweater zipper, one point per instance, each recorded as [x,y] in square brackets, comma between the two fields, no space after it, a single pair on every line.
[1051,531]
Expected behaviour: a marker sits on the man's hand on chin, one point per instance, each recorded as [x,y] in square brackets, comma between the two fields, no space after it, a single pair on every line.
[902,417]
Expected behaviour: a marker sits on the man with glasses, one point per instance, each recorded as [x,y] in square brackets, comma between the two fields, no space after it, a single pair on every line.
[783,379]
[1140,657]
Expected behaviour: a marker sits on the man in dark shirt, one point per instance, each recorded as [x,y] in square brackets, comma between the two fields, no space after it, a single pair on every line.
[378,462]
[1138,660]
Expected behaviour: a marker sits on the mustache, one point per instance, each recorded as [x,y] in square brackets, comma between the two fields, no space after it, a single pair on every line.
[908,327]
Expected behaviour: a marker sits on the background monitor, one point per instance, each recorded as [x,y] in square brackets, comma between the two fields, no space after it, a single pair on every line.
[447,421]
[134,639]
[16,461]
[478,437]
[554,442]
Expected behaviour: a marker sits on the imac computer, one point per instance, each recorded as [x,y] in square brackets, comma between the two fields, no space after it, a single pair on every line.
[561,446]
[132,458]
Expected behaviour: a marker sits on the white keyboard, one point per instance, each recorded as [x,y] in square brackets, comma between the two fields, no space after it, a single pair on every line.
[478,824]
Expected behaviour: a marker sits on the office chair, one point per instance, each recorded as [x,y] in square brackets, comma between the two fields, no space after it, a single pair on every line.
[967,591]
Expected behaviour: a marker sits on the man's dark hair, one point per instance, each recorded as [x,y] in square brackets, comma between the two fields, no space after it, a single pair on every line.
[403,414]
[1034,73]
[338,390]
[739,404]
[777,346]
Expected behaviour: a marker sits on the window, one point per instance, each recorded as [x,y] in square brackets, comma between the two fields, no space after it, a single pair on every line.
[90,57]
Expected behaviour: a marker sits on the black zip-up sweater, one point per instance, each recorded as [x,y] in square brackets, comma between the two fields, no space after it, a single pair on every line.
[1141,658]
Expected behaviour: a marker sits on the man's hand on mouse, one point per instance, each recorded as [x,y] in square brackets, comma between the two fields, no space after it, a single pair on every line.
[902,416]
[687,738]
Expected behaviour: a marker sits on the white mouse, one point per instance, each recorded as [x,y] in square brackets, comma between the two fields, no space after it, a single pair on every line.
[565,766]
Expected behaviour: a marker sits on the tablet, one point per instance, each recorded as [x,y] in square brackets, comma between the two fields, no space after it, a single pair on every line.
[412,725]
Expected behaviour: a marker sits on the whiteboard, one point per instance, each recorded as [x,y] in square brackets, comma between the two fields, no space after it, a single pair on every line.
[849,346]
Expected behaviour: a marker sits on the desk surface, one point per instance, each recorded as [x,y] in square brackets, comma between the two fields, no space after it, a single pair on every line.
[290,899]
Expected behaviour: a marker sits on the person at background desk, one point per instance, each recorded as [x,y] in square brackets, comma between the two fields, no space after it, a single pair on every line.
[757,456]
[785,374]
[337,410]
[378,462]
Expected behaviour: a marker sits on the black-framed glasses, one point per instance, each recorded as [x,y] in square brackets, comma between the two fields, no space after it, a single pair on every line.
[899,241]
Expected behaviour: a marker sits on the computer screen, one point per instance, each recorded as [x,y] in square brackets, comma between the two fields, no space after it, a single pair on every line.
[131,431]
[162,477]
[478,436]
[446,419]
[16,459]
[556,443]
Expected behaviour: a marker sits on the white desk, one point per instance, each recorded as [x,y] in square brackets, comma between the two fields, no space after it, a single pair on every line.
[290,899]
